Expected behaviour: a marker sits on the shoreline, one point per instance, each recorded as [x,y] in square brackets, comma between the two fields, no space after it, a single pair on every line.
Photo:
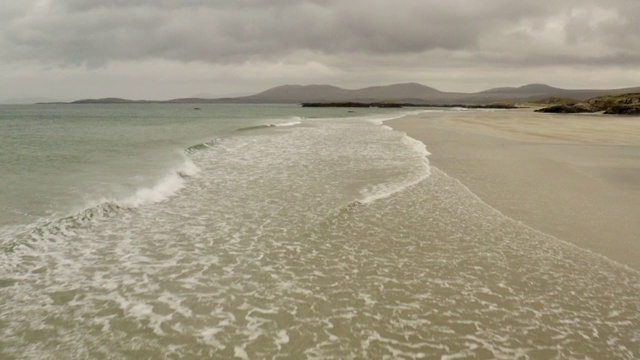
[575,177]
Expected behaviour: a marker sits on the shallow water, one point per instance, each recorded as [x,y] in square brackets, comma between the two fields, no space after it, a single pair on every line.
[328,238]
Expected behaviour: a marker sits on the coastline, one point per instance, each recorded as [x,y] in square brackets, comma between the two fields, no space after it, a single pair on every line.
[575,177]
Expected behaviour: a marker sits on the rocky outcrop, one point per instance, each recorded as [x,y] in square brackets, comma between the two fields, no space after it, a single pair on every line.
[624,110]
[569,109]
[627,104]
[554,100]
[605,102]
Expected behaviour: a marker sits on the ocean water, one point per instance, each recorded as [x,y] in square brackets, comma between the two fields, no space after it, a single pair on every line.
[253,231]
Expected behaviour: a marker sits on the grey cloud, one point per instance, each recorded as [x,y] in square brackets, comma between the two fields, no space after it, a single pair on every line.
[97,32]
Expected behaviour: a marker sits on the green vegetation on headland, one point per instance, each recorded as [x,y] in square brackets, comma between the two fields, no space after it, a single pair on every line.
[554,100]
[626,104]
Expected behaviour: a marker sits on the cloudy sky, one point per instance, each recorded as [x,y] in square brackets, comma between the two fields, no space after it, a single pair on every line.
[159,49]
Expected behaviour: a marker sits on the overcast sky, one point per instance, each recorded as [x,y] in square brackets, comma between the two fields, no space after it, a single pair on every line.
[160,49]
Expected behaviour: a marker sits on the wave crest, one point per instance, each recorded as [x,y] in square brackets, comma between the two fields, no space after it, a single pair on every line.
[202,146]
[56,229]
[163,189]
[295,120]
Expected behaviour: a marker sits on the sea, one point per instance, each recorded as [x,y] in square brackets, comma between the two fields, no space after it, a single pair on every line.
[157,231]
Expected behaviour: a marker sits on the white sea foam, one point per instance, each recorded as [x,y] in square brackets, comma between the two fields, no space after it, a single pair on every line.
[290,123]
[240,352]
[380,119]
[208,337]
[282,338]
[421,171]
[283,122]
[164,188]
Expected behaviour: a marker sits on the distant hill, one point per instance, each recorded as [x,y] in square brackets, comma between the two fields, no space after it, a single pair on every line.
[531,89]
[417,94]
[538,92]
[297,93]
[408,93]
[204,95]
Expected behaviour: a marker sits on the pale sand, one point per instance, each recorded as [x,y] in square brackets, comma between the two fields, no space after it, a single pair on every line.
[576,177]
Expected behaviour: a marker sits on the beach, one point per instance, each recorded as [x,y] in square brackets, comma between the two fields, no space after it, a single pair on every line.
[575,177]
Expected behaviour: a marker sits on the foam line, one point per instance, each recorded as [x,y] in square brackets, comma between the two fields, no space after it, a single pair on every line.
[385,190]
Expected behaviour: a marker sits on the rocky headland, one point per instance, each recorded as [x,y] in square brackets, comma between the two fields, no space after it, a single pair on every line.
[626,104]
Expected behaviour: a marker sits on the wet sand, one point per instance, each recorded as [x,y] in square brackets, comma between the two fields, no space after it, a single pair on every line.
[576,177]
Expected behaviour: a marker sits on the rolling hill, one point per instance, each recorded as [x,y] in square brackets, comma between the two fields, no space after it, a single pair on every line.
[413,93]
[418,94]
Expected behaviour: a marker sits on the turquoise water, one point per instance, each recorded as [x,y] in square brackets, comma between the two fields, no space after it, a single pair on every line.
[162,232]
[59,159]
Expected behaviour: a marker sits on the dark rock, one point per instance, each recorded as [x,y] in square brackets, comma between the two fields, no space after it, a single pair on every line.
[624,109]
[350,104]
[569,109]
[625,104]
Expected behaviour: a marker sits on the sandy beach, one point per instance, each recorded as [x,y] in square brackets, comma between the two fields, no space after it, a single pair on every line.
[576,177]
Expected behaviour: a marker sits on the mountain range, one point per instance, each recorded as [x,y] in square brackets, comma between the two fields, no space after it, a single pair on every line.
[419,94]
[412,93]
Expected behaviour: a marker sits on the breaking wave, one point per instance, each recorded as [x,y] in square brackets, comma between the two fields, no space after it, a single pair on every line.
[164,188]
[201,146]
[54,229]
[295,120]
